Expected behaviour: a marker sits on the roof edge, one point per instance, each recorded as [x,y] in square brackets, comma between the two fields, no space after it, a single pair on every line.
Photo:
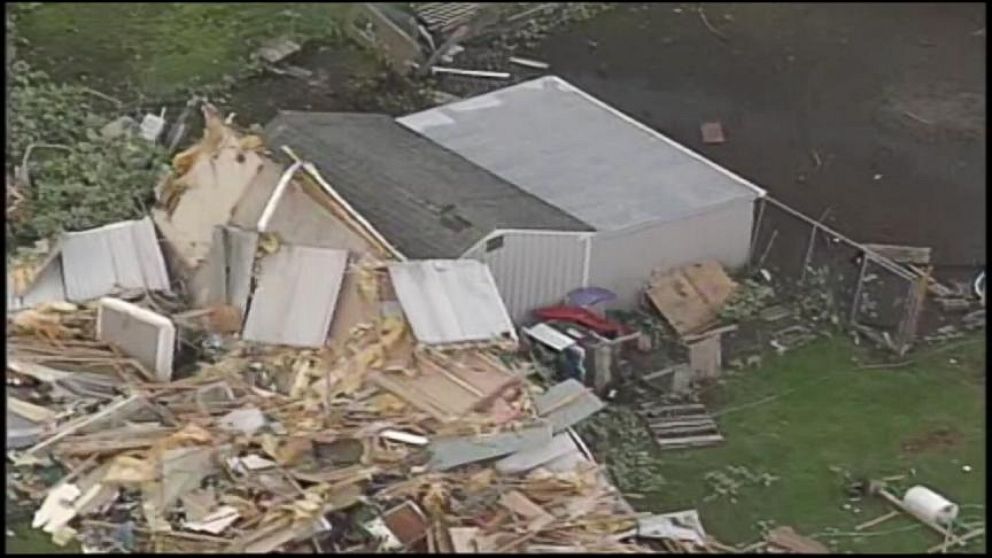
[761,192]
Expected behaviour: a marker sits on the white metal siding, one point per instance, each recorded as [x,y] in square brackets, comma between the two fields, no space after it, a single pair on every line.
[534,268]
[623,261]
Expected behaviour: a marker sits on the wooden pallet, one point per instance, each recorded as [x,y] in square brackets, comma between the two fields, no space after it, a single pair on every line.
[680,426]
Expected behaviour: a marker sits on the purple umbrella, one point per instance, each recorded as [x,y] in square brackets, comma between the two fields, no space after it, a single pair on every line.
[589,296]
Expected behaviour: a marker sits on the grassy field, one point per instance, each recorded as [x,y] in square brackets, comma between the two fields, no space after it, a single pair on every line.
[832,420]
[161,48]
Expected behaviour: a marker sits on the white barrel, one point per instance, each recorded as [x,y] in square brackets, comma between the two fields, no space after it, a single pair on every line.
[930,506]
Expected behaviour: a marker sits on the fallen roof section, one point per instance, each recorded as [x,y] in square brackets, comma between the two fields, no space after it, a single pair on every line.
[425,199]
[564,146]
[451,301]
[297,291]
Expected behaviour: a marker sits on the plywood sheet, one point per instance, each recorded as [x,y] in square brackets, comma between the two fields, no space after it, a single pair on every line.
[691,297]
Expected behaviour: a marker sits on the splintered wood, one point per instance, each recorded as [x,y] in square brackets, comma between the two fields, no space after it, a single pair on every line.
[448,388]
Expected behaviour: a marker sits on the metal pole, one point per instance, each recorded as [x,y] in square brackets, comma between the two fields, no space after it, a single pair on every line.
[754,235]
[809,253]
[857,289]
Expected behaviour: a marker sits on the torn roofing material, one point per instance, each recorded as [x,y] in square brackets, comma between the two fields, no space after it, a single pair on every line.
[297,291]
[450,301]
[426,200]
[89,264]
[581,155]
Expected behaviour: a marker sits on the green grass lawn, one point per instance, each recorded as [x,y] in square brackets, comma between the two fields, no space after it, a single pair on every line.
[159,48]
[831,418]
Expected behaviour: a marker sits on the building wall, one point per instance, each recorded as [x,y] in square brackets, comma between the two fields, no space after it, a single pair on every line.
[533,268]
[622,261]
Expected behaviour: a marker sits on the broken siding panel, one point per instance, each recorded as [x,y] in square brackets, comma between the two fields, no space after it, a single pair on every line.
[126,255]
[533,268]
[623,261]
[297,291]
[450,301]
[239,254]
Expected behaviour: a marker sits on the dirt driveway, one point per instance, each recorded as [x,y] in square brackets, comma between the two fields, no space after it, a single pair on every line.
[877,110]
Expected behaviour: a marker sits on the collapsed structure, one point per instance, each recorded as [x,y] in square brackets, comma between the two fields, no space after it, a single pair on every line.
[345,399]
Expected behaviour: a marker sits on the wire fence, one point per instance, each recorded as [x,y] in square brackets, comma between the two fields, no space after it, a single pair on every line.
[833,278]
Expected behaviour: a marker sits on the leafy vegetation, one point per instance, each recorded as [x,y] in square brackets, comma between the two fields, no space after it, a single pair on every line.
[78,178]
[161,49]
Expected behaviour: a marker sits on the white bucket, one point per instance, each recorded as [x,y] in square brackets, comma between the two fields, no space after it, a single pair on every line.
[929,506]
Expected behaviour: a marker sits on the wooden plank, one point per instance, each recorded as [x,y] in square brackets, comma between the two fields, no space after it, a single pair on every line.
[960,540]
[876,521]
[715,331]
[690,440]
[918,255]
[683,431]
[675,408]
[412,398]
[704,357]
[663,372]
[787,538]
[934,287]
[666,424]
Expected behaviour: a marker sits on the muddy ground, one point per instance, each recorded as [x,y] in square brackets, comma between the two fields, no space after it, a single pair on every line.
[890,98]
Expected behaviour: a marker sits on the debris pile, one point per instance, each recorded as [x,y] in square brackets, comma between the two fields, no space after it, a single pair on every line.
[360,412]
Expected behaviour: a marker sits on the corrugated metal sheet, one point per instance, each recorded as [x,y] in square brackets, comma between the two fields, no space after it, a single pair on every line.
[533,268]
[623,261]
[450,301]
[123,255]
[579,154]
[294,301]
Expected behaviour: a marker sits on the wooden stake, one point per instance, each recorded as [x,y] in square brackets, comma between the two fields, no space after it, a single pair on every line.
[876,521]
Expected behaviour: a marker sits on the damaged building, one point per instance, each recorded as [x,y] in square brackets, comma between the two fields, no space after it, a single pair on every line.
[553,189]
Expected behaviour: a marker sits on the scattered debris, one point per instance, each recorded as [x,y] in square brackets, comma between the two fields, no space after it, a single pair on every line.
[788,540]
[528,63]
[277,50]
[152,126]
[469,73]
[712,133]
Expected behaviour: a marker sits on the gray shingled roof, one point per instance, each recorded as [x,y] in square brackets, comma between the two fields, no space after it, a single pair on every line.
[581,155]
[426,200]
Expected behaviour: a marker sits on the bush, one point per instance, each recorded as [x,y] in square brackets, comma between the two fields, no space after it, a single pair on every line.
[89,180]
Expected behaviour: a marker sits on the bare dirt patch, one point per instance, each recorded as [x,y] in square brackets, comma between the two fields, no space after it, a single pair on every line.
[937,439]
